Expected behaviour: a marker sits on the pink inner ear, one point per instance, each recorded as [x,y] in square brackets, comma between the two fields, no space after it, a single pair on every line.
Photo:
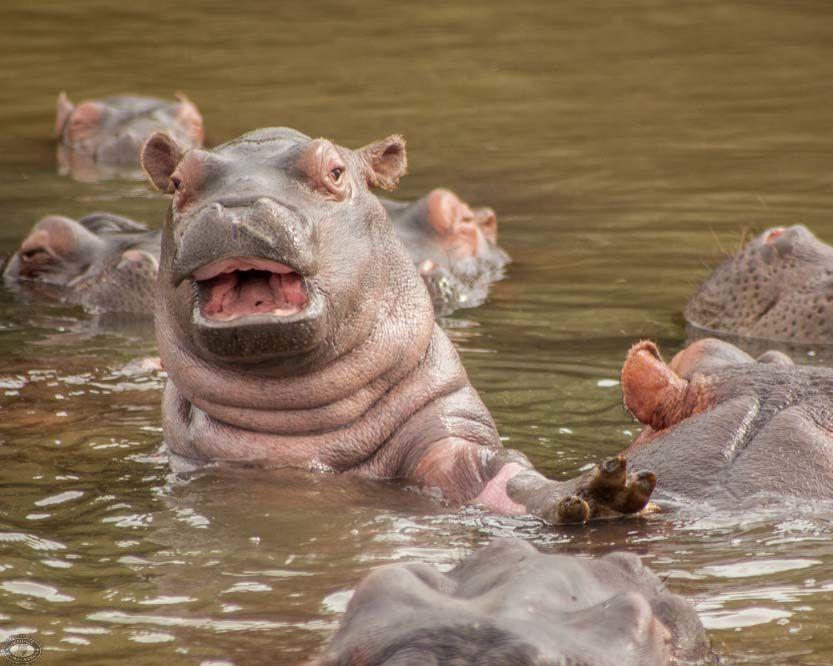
[86,117]
[53,234]
[443,210]
[651,390]
[486,219]
[189,117]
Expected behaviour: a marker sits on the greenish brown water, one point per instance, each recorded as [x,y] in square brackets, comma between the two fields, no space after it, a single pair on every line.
[625,147]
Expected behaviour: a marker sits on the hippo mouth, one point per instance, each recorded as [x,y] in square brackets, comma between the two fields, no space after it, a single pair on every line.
[234,288]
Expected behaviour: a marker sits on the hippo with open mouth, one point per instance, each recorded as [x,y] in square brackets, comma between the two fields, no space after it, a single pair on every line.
[296,331]
[509,604]
[454,247]
[778,287]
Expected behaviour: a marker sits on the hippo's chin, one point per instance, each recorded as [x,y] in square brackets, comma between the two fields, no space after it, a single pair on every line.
[251,309]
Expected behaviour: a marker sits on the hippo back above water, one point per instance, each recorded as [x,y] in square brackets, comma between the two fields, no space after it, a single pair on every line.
[296,331]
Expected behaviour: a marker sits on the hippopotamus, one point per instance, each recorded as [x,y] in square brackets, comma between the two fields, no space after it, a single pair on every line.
[722,427]
[777,287]
[111,131]
[297,332]
[507,603]
[454,246]
[103,262]
[439,229]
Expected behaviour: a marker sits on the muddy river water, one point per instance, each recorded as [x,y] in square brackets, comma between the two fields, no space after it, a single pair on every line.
[626,147]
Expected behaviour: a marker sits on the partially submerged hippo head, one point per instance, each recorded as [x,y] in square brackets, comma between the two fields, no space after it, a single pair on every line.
[274,244]
[509,604]
[723,427]
[104,262]
[456,247]
[779,286]
[112,131]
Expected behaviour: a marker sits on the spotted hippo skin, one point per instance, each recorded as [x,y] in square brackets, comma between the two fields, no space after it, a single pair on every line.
[454,246]
[509,604]
[724,427]
[103,262]
[111,131]
[81,256]
[779,287]
[296,331]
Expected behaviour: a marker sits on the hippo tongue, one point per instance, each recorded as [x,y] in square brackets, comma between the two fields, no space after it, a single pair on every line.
[241,289]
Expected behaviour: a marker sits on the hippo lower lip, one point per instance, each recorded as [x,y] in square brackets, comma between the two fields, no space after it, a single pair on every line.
[237,287]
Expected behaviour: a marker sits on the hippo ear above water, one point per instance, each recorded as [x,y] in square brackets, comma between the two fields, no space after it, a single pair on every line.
[651,390]
[159,157]
[63,111]
[385,162]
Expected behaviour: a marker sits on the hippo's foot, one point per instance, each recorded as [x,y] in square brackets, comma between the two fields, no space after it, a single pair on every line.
[606,491]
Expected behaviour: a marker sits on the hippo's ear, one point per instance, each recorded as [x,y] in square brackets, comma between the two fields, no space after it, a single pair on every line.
[651,390]
[385,162]
[64,109]
[159,157]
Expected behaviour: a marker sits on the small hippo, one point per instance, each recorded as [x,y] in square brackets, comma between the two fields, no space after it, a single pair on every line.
[59,250]
[454,246]
[103,262]
[779,286]
[296,331]
[509,604]
[721,426]
[111,131]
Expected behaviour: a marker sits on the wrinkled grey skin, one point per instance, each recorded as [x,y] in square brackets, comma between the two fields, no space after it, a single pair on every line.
[95,258]
[103,262]
[723,427]
[111,131]
[779,287]
[509,604]
[296,332]
[453,246]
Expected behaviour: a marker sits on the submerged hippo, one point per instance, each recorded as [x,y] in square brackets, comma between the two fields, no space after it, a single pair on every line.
[103,262]
[723,427]
[454,246]
[86,257]
[296,331]
[779,286]
[509,604]
[111,131]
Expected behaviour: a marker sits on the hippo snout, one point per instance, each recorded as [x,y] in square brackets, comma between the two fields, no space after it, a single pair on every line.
[234,227]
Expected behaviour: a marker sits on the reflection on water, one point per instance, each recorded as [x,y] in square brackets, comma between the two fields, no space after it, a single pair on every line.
[625,147]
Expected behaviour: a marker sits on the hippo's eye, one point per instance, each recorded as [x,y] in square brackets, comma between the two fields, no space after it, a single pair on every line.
[176,181]
[336,173]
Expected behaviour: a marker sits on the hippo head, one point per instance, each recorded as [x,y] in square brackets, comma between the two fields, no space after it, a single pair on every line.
[509,604]
[274,249]
[56,251]
[104,262]
[112,130]
[779,286]
[725,428]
